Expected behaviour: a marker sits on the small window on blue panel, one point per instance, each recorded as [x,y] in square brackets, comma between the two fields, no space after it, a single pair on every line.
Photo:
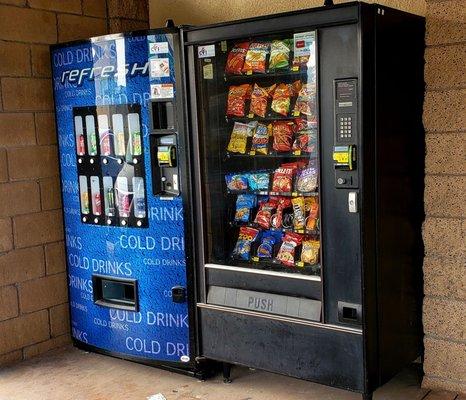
[115,292]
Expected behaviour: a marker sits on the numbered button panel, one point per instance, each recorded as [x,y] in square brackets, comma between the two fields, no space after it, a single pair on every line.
[345,126]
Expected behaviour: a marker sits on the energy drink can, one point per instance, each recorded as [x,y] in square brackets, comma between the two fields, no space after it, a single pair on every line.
[110,201]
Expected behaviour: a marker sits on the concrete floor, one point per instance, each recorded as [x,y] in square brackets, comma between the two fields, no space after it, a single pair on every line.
[71,374]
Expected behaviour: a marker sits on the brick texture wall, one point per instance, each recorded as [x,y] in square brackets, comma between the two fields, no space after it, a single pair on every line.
[445,196]
[33,293]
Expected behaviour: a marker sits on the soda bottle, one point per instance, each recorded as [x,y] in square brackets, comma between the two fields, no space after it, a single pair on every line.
[85,202]
[105,144]
[81,146]
[92,145]
[97,204]
[137,148]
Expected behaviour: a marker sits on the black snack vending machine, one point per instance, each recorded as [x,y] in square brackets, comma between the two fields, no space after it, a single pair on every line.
[308,157]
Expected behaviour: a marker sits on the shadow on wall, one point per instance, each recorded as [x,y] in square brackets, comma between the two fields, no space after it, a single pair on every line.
[201,12]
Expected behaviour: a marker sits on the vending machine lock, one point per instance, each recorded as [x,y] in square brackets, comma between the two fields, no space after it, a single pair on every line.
[178,294]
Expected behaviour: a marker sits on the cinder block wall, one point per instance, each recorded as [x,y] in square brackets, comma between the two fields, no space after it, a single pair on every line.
[445,196]
[33,294]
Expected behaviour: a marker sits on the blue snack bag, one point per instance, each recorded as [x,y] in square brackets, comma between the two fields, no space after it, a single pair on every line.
[269,239]
[247,235]
[237,181]
[244,204]
[259,180]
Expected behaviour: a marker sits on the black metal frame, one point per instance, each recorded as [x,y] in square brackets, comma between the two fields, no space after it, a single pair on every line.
[378,47]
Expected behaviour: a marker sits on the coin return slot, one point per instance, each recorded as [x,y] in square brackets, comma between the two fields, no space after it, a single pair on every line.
[115,292]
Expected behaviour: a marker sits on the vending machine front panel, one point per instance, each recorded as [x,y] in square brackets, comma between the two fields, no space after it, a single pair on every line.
[125,241]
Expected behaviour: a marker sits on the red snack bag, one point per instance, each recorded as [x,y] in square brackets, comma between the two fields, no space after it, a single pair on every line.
[236,58]
[237,96]
[277,218]
[282,98]
[287,249]
[256,57]
[282,132]
[259,99]
[283,178]
[264,215]
[305,103]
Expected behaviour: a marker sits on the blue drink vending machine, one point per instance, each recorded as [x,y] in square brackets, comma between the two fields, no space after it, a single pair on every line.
[126,203]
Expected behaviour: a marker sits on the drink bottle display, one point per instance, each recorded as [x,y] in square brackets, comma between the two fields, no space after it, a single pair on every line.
[139,199]
[84,197]
[95,193]
[104,135]
[119,134]
[109,199]
[78,126]
[123,196]
[91,136]
[135,134]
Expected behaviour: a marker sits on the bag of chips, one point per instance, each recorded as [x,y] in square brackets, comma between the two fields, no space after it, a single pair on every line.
[312,210]
[277,218]
[306,101]
[306,179]
[256,57]
[238,138]
[280,54]
[259,99]
[268,241]
[260,139]
[265,212]
[287,249]
[246,237]
[281,99]
[244,204]
[282,132]
[305,141]
[283,178]
[259,180]
[310,252]
[299,213]
[237,181]
[235,60]
[237,96]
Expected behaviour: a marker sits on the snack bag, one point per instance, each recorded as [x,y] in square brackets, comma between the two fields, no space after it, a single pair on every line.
[282,132]
[277,219]
[238,138]
[306,179]
[305,103]
[237,96]
[299,213]
[259,99]
[237,181]
[236,58]
[280,54]
[312,209]
[255,58]
[281,99]
[305,141]
[244,204]
[265,212]
[246,237]
[260,139]
[304,124]
[287,249]
[269,239]
[259,180]
[283,178]
[310,252]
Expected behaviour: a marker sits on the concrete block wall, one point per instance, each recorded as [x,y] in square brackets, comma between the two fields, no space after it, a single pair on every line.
[445,196]
[33,292]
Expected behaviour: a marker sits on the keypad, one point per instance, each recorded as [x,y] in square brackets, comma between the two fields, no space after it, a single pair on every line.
[345,127]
